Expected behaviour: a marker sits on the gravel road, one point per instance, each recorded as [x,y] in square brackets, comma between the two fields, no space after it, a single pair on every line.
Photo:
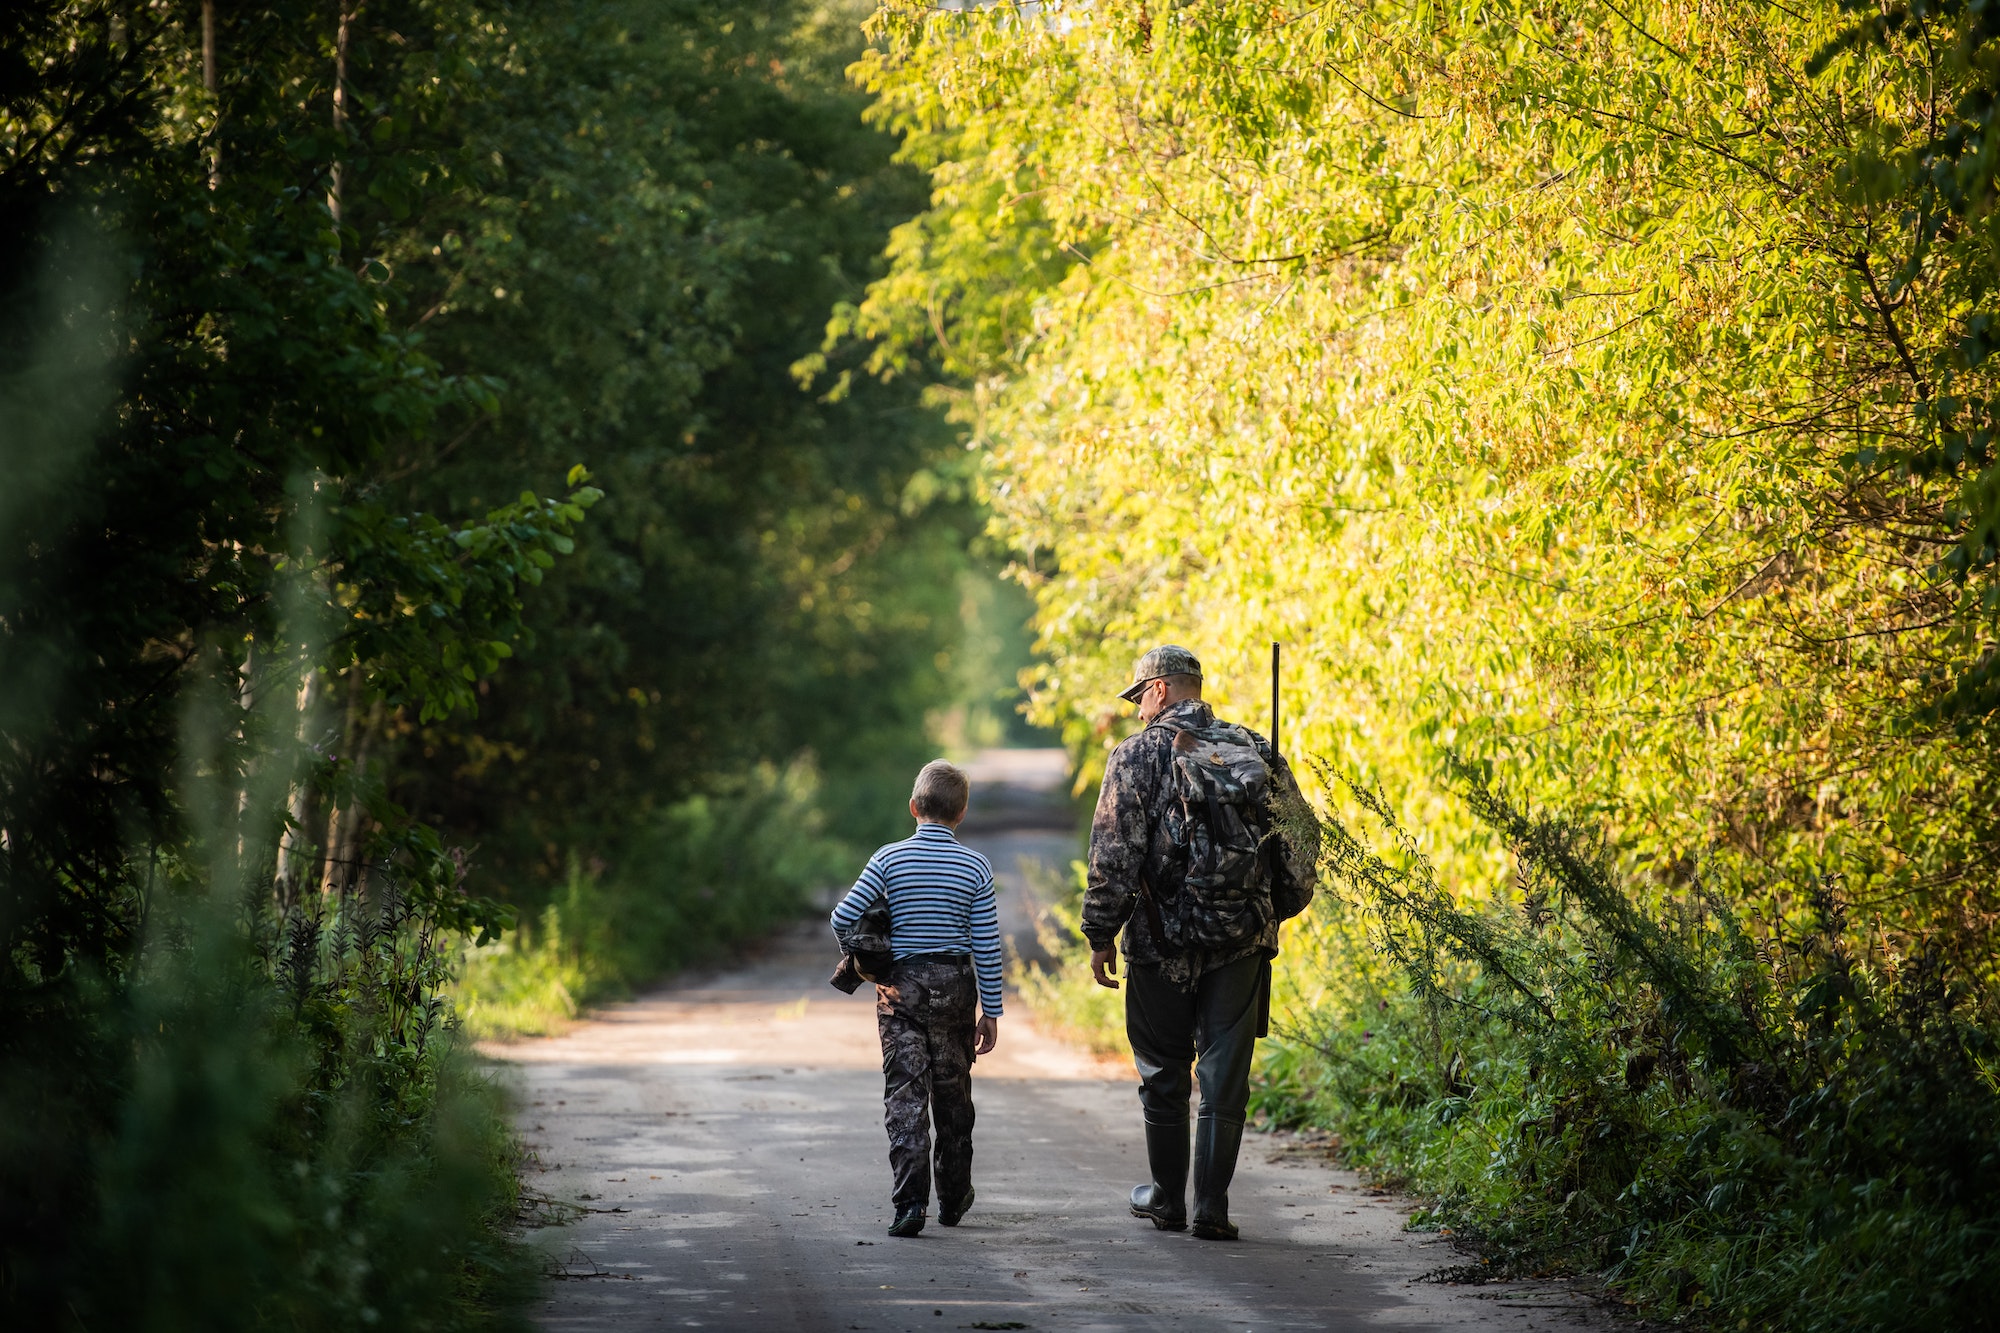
[725,1133]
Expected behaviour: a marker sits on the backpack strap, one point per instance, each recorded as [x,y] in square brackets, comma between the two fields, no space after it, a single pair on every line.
[1146,894]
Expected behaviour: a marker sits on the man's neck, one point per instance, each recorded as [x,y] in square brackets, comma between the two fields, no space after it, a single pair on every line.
[1176,704]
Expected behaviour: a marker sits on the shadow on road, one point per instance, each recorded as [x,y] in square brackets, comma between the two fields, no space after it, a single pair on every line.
[718,1144]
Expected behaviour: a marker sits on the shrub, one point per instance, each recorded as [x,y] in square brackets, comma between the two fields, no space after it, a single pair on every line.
[1778,1119]
[271,1125]
[714,871]
[1067,1001]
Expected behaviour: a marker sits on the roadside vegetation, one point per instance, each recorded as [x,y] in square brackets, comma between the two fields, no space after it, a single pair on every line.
[413,545]
[1783,1125]
[1599,404]
[711,874]
[1067,1002]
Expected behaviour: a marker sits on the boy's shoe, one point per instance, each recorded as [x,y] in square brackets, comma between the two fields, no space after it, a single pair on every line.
[948,1216]
[909,1222]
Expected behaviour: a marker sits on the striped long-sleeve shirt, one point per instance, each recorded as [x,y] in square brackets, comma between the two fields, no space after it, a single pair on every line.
[940,896]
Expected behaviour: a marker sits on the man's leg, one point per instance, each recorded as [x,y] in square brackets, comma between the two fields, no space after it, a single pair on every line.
[949,1026]
[906,1089]
[1159,1022]
[1226,1010]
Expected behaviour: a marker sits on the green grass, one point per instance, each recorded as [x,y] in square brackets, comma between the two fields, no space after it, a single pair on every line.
[1065,1000]
[1794,1130]
[713,873]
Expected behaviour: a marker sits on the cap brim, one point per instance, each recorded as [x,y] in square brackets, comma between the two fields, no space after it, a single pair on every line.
[1130,694]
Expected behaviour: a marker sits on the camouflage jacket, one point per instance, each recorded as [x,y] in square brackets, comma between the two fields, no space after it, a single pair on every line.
[1128,842]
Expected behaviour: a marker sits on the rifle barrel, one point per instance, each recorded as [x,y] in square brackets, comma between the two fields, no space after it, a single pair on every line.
[1274,697]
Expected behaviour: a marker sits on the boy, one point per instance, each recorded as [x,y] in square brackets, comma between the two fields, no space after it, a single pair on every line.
[944,931]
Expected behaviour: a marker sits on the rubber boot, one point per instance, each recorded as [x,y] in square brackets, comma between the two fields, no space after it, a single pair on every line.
[1163,1200]
[1215,1145]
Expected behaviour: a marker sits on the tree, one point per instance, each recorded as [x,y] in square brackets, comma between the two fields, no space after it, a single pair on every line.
[195,402]
[1597,402]
[1595,395]
[680,195]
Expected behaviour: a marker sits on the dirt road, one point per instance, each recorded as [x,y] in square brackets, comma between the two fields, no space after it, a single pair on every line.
[725,1132]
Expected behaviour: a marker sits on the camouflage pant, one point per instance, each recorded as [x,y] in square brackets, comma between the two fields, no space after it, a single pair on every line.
[926,1015]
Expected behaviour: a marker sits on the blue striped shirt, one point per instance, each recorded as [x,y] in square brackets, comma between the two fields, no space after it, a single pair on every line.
[940,896]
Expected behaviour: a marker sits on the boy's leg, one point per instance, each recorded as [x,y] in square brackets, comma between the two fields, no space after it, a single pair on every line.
[906,1087]
[953,1011]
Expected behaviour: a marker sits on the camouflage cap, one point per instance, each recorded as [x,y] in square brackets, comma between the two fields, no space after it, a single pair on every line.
[1170,660]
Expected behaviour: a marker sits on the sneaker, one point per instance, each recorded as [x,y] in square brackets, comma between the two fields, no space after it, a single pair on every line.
[909,1222]
[948,1217]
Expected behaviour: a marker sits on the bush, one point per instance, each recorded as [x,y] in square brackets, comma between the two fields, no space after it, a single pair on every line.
[713,872]
[1786,1121]
[273,1125]
[1067,1001]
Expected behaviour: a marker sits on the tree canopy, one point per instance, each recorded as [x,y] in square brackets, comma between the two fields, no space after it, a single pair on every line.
[410,497]
[1600,394]
[1598,404]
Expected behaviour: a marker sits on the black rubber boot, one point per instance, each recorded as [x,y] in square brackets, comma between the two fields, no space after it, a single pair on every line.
[1215,1145]
[909,1222]
[1163,1200]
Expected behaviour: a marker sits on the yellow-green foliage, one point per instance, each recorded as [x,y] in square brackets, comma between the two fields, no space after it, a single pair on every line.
[1066,999]
[1603,396]
[531,982]
[1517,366]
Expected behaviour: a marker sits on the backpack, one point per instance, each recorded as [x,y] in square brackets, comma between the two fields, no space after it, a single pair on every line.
[1220,816]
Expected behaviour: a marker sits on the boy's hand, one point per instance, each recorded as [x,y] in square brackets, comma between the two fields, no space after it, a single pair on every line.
[1104,966]
[985,1035]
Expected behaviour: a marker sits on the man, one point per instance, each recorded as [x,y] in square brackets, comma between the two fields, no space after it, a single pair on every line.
[944,935]
[1187,1001]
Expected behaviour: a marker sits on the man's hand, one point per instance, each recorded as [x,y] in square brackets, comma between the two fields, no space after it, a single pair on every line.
[985,1035]
[1104,967]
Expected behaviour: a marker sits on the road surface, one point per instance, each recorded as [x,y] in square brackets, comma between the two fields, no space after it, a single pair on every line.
[725,1132]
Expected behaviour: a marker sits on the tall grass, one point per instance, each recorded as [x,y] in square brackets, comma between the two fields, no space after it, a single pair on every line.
[713,872]
[269,1125]
[1064,998]
[1784,1123]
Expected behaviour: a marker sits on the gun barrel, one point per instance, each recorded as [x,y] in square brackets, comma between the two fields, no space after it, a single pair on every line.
[1274,697]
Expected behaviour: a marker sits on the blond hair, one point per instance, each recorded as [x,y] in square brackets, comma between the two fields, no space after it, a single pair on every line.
[941,791]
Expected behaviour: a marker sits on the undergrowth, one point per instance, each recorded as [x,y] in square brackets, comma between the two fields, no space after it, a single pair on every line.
[1065,1000]
[713,872]
[271,1125]
[1787,1123]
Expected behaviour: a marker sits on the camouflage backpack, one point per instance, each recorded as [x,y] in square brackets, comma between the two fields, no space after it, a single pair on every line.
[1220,815]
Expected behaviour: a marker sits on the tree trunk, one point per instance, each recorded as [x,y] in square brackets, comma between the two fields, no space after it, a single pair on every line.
[333,193]
[292,846]
[347,822]
[208,82]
